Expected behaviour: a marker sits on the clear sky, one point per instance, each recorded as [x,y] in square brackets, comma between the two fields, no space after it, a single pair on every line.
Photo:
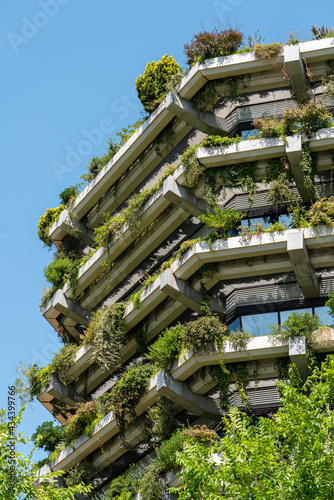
[67,66]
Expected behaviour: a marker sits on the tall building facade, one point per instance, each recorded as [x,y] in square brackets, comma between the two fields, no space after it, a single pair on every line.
[168,263]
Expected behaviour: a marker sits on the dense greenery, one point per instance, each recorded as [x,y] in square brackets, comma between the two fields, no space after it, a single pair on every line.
[46,221]
[152,86]
[297,325]
[267,51]
[218,42]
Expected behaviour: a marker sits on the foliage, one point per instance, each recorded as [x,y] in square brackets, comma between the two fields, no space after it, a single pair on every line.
[160,422]
[130,214]
[267,51]
[25,471]
[87,413]
[286,456]
[46,296]
[223,221]
[296,325]
[305,118]
[166,348]
[46,221]
[106,334]
[207,45]
[280,192]
[202,333]
[47,436]
[319,32]
[69,194]
[117,486]
[151,87]
[57,271]
[320,213]
[330,303]
[81,473]
[239,339]
[277,166]
[150,485]
[97,164]
[309,164]
[126,393]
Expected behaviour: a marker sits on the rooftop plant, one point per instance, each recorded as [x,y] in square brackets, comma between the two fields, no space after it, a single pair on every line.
[207,45]
[69,194]
[87,414]
[152,86]
[297,325]
[267,51]
[46,221]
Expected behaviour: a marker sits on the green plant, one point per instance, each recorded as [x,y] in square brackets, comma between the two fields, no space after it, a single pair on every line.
[97,164]
[280,192]
[46,221]
[118,486]
[47,436]
[46,296]
[81,473]
[309,166]
[319,32]
[166,348]
[69,194]
[267,51]
[223,221]
[126,393]
[106,334]
[151,87]
[296,325]
[150,486]
[218,42]
[239,339]
[86,415]
[160,421]
[202,333]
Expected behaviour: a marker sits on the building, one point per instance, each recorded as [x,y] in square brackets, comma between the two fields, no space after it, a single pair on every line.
[250,280]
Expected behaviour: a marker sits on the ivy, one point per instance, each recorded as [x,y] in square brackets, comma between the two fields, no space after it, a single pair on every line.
[309,164]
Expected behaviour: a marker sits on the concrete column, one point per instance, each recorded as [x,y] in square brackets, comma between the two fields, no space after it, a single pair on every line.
[297,354]
[296,72]
[294,153]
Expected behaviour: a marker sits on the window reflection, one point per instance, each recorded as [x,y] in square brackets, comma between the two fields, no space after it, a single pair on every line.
[258,324]
[325,316]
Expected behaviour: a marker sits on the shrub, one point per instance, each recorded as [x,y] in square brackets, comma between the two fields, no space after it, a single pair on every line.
[150,485]
[68,194]
[57,271]
[203,332]
[224,220]
[207,45]
[267,51]
[161,422]
[106,333]
[87,413]
[166,348]
[319,32]
[126,393]
[296,325]
[46,221]
[151,87]
[81,473]
[117,486]
[47,436]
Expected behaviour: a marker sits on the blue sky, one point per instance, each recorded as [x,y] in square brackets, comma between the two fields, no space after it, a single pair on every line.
[68,68]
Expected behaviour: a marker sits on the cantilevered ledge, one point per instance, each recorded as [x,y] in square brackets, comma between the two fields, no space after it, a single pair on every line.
[65,225]
[296,72]
[205,122]
[180,291]
[62,304]
[64,393]
[294,154]
[298,253]
[179,392]
[183,197]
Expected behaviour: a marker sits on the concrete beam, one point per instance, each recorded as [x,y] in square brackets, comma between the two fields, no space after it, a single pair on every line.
[183,197]
[293,150]
[65,225]
[179,392]
[299,256]
[64,393]
[205,122]
[297,354]
[180,291]
[296,72]
[68,307]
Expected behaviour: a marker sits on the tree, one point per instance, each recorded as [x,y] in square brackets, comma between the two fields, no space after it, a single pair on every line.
[286,456]
[152,86]
[18,473]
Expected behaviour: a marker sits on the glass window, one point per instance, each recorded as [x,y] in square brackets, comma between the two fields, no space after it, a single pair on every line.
[325,316]
[285,219]
[234,326]
[257,324]
[285,314]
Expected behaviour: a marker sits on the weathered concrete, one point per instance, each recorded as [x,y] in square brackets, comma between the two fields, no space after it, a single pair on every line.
[183,197]
[297,354]
[294,154]
[180,291]
[179,392]
[64,393]
[298,253]
[296,72]
[205,122]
